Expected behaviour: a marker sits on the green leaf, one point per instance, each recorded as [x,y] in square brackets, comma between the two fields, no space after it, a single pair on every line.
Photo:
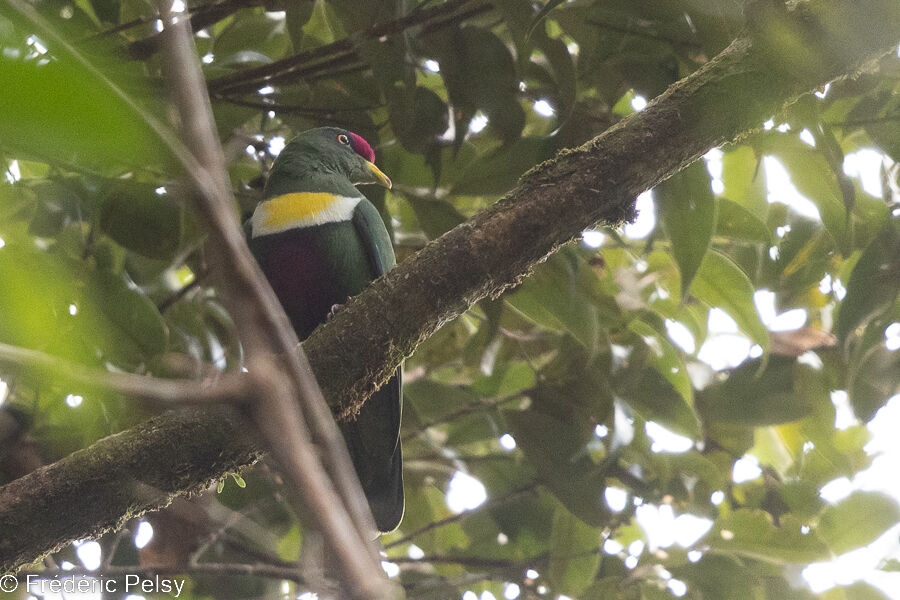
[131,311]
[813,177]
[750,533]
[508,378]
[687,210]
[259,32]
[884,127]
[296,15]
[736,222]
[755,396]
[654,398]
[665,358]
[436,217]
[862,591]
[554,297]
[52,303]
[857,520]
[479,73]
[574,553]
[418,117]
[141,220]
[874,378]
[744,181]
[430,400]
[561,461]
[100,126]
[874,282]
[497,172]
[721,283]
[722,577]
[542,14]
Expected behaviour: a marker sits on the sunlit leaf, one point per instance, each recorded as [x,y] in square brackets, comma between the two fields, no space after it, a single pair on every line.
[750,533]
[654,398]
[874,282]
[721,283]
[574,553]
[753,395]
[857,520]
[735,221]
[814,179]
[100,125]
[687,209]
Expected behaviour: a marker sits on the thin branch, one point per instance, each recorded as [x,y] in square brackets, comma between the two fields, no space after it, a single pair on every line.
[250,79]
[192,11]
[201,17]
[265,333]
[164,393]
[871,121]
[493,503]
[644,33]
[469,561]
[471,408]
[273,104]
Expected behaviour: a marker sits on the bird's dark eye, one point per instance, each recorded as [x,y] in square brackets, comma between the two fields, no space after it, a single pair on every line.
[343,139]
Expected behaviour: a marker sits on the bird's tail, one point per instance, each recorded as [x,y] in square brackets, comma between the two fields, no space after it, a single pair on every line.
[373,440]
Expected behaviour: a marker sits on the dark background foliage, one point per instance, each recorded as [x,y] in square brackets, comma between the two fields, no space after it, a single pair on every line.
[547,416]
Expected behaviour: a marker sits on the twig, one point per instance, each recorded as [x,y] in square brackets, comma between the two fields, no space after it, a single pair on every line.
[644,34]
[500,500]
[167,393]
[871,121]
[250,79]
[470,561]
[469,409]
[193,11]
[273,104]
[265,332]
[201,18]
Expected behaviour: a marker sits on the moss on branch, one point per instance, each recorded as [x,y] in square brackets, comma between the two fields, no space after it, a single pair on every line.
[98,488]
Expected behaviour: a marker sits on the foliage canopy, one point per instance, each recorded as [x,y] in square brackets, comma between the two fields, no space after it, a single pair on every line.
[559,398]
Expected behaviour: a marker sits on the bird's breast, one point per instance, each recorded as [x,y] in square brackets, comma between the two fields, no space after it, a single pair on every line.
[313,268]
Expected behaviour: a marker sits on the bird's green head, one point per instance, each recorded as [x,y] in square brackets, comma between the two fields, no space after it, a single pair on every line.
[324,157]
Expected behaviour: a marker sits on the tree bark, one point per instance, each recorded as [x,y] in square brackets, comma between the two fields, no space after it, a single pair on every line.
[783,55]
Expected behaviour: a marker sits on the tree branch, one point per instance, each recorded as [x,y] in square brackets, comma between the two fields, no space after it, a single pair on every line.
[163,393]
[335,499]
[304,63]
[82,495]
[596,183]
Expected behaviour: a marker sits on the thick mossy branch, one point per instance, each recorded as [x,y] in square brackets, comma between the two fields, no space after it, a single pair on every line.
[786,54]
[122,476]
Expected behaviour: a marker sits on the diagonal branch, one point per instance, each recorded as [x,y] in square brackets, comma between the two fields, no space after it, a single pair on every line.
[731,95]
[334,499]
[305,63]
[594,183]
[164,393]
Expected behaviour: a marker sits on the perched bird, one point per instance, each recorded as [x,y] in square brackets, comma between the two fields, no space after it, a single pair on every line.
[320,241]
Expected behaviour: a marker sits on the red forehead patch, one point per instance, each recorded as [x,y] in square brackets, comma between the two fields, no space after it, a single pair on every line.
[362,147]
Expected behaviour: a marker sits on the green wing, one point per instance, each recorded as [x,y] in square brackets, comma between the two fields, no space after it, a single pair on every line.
[374,437]
[375,238]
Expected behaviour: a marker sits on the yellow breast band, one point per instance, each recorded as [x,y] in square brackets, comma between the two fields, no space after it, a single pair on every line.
[301,209]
